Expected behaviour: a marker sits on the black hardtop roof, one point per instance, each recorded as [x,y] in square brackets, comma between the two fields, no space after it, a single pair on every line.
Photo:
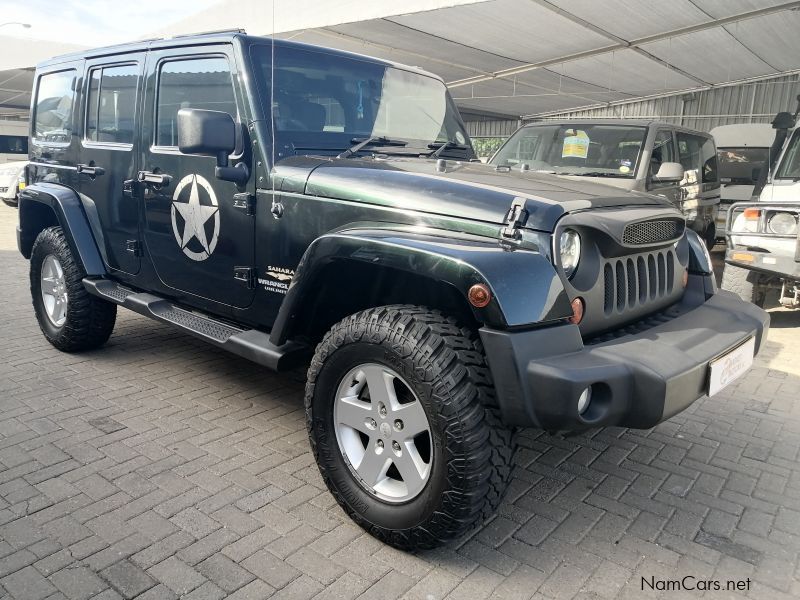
[215,37]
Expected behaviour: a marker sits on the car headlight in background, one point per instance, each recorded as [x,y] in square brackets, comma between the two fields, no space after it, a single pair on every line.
[782,223]
[570,251]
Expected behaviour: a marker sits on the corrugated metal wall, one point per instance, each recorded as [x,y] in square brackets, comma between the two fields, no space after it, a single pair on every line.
[755,102]
[492,128]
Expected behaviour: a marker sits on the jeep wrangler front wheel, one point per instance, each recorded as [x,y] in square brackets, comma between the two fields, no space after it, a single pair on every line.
[70,318]
[404,427]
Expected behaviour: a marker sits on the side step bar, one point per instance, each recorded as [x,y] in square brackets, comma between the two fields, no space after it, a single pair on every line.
[249,343]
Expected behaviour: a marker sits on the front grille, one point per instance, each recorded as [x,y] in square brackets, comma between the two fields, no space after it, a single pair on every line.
[635,281]
[652,232]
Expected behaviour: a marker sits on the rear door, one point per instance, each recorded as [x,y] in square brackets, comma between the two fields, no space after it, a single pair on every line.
[700,186]
[199,238]
[108,156]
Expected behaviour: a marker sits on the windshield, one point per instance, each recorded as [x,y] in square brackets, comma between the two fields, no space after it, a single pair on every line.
[790,165]
[741,165]
[322,101]
[589,150]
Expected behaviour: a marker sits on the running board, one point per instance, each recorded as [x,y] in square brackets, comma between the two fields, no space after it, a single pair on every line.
[249,343]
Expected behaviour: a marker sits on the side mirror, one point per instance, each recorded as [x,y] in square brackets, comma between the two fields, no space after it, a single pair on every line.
[669,172]
[211,133]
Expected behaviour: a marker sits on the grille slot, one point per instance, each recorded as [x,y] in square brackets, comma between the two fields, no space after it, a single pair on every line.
[635,281]
[652,232]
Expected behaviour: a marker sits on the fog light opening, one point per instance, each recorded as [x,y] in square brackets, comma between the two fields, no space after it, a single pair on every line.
[584,400]
[577,311]
[479,295]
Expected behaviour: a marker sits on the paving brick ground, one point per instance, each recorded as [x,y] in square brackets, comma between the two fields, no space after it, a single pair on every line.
[160,467]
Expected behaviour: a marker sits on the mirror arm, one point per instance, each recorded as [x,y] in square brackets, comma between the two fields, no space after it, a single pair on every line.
[239,174]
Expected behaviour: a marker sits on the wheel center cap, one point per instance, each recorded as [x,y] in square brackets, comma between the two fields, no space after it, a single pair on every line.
[386,430]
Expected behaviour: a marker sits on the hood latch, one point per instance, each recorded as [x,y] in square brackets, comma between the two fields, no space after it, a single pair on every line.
[515,218]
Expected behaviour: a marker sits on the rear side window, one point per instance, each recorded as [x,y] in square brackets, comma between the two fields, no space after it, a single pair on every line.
[697,154]
[55,96]
[195,83]
[111,104]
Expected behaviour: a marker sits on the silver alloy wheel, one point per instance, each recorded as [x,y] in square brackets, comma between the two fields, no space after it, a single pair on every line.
[54,290]
[383,432]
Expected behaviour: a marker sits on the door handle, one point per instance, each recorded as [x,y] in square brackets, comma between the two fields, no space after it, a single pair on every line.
[90,170]
[155,179]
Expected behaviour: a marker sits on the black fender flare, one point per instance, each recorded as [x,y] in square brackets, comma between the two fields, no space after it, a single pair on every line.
[526,289]
[70,215]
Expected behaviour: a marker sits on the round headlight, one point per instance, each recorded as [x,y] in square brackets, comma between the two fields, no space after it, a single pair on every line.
[570,251]
[782,223]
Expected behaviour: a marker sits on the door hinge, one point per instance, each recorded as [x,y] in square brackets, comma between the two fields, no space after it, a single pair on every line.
[246,202]
[515,218]
[246,275]
[134,247]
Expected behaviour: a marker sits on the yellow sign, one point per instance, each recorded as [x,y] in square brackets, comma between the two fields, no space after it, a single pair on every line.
[576,146]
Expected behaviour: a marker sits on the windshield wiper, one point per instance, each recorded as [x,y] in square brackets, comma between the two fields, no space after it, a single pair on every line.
[593,174]
[361,143]
[440,147]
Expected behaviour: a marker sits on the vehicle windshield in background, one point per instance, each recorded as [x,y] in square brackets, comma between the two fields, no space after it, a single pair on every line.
[588,150]
[790,165]
[737,165]
[323,101]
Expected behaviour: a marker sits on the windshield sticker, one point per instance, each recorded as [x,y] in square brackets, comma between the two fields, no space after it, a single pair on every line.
[624,169]
[576,145]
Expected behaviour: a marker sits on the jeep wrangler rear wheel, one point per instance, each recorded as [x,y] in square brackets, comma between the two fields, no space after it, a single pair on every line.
[745,284]
[404,425]
[70,318]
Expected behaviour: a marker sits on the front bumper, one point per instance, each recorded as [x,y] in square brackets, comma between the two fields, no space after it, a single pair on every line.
[769,263]
[637,381]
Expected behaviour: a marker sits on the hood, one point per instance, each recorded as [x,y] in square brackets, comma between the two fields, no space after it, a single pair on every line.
[467,190]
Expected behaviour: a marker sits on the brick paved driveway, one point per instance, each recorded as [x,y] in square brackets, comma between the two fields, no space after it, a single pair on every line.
[159,467]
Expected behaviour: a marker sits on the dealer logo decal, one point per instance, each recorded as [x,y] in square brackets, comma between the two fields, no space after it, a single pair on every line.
[195,217]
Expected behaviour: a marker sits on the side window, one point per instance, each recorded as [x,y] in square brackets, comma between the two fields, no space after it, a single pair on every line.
[192,83]
[55,94]
[698,157]
[663,151]
[111,104]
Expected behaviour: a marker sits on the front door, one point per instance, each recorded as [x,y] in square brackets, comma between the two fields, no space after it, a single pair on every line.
[663,151]
[200,241]
[108,156]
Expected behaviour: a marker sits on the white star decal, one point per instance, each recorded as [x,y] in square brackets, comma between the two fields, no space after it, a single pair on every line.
[195,216]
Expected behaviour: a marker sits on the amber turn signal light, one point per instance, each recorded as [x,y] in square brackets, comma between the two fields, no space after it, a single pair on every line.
[577,311]
[685,278]
[752,214]
[479,295]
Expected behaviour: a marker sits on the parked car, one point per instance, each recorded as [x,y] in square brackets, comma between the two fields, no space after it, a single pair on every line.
[13,141]
[677,163]
[763,250]
[324,207]
[11,179]
[742,152]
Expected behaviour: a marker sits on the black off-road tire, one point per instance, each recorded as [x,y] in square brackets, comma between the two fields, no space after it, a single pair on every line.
[745,284]
[90,320]
[444,364]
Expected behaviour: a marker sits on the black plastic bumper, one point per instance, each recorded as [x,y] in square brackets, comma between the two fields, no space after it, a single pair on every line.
[636,381]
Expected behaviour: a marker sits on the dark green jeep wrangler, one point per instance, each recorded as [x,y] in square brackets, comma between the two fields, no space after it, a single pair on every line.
[292,204]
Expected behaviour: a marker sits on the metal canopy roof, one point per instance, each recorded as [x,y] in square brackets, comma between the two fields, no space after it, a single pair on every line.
[519,58]
[533,57]
[15,91]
